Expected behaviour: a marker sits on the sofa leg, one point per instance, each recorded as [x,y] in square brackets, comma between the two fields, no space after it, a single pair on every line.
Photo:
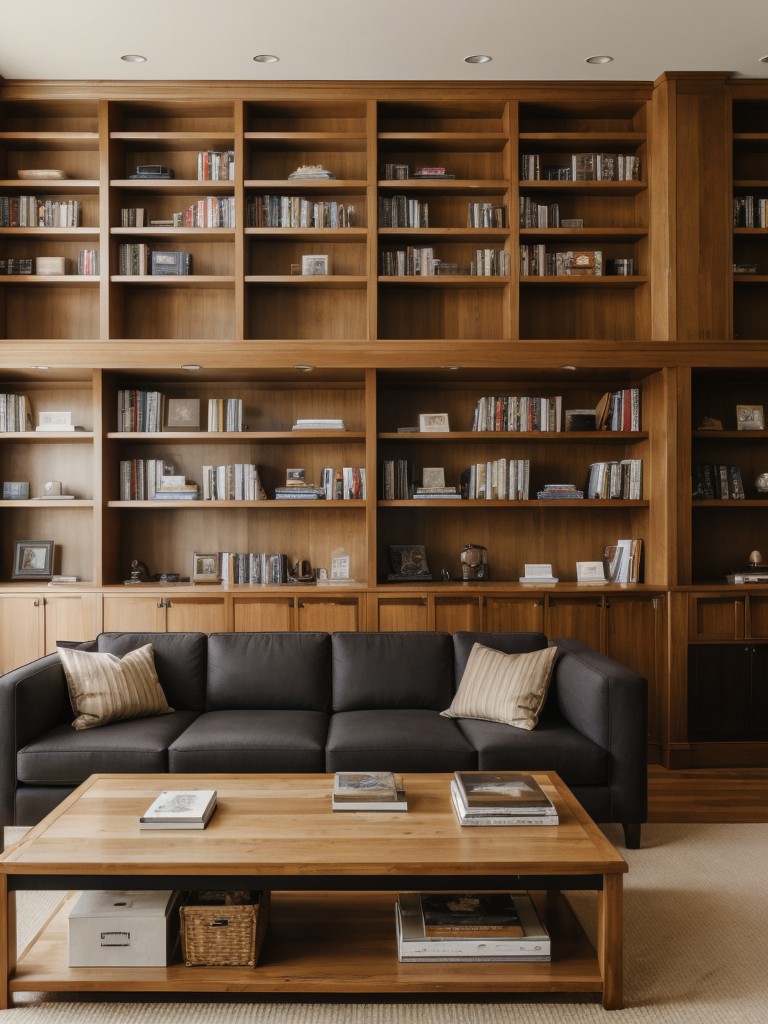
[632,834]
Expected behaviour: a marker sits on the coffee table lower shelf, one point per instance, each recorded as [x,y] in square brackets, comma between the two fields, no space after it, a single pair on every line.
[324,943]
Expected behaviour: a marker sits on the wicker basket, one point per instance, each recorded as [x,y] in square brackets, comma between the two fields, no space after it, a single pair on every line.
[223,929]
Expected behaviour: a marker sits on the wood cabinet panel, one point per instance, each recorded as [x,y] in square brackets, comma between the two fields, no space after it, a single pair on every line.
[514,614]
[262,614]
[577,617]
[190,614]
[394,614]
[71,617]
[719,617]
[134,613]
[22,629]
[453,614]
[330,614]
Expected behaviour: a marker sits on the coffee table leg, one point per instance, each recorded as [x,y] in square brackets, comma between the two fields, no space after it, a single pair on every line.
[610,940]
[7,939]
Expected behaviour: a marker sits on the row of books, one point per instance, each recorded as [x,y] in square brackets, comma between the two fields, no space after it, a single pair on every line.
[225,415]
[520,413]
[535,214]
[140,410]
[275,211]
[619,410]
[239,481]
[616,479]
[490,263]
[622,561]
[210,212]
[140,478]
[345,484]
[486,215]
[403,212]
[581,167]
[499,479]
[714,480]
[396,480]
[88,262]
[15,413]
[34,212]
[262,567]
[537,261]
[216,165]
[560,492]
[750,211]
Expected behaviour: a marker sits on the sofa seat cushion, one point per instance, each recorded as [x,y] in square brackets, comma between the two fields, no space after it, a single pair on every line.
[252,741]
[65,756]
[398,741]
[551,746]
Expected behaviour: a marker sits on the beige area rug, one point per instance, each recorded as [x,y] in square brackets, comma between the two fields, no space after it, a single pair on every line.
[696,952]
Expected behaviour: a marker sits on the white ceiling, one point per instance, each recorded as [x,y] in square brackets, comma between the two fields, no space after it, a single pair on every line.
[386,40]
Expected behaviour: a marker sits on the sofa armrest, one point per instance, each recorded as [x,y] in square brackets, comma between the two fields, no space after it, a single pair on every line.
[33,700]
[608,703]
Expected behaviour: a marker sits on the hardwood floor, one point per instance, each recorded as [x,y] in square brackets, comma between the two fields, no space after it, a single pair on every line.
[708,795]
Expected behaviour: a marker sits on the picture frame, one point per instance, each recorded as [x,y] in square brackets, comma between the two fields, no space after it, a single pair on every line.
[750,417]
[205,567]
[15,490]
[433,423]
[314,265]
[183,414]
[33,560]
[409,561]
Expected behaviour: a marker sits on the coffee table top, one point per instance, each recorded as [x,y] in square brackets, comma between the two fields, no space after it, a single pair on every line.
[282,825]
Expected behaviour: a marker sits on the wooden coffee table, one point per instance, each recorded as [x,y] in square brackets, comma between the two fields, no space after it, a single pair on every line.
[333,877]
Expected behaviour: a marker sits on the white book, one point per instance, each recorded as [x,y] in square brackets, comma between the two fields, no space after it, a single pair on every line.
[180,808]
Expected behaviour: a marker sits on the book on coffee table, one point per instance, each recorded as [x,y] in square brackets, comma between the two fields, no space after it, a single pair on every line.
[500,798]
[368,791]
[180,808]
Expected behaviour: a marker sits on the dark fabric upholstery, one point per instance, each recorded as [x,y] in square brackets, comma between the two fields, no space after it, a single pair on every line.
[281,671]
[65,755]
[508,643]
[551,746]
[392,670]
[181,661]
[397,741]
[252,741]
[34,802]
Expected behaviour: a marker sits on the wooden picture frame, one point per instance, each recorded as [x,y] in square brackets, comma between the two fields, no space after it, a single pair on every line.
[750,417]
[182,414]
[33,560]
[314,265]
[205,567]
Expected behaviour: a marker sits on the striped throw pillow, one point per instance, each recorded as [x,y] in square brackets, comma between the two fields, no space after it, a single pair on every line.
[104,688]
[506,688]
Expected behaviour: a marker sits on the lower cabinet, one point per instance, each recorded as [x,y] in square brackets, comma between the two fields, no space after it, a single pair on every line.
[257,613]
[32,623]
[728,692]
[159,613]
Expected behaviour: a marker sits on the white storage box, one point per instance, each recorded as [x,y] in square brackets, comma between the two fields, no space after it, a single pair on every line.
[112,928]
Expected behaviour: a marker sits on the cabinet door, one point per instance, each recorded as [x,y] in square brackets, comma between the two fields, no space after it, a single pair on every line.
[254,614]
[458,613]
[514,614]
[758,617]
[760,692]
[717,617]
[21,629]
[634,636]
[134,613]
[70,617]
[397,613]
[204,614]
[576,617]
[719,692]
[329,614]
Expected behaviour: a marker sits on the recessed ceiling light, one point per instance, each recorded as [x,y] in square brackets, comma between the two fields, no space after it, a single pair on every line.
[133,58]
[39,366]
[266,58]
[478,58]
[599,59]
[304,367]
[764,60]
[449,367]
[190,366]
[568,366]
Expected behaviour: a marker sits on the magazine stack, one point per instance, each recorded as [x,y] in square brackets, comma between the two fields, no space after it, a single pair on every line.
[501,798]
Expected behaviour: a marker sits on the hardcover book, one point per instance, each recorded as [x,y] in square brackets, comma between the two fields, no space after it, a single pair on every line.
[180,808]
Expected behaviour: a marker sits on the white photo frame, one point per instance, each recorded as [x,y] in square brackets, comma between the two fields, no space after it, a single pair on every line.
[433,423]
[314,265]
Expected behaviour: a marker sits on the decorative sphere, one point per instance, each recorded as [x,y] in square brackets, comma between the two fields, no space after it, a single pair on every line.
[755,557]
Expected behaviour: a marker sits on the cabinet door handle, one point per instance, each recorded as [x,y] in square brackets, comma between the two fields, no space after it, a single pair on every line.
[301,604]
[36,603]
[160,603]
[169,604]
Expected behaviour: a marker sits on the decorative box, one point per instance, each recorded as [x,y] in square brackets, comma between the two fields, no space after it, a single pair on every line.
[115,928]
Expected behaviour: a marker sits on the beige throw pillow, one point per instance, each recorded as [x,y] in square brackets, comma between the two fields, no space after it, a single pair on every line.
[104,688]
[507,688]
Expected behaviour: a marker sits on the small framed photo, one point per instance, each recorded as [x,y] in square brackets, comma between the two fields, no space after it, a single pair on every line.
[15,490]
[314,265]
[295,476]
[590,572]
[33,560]
[341,564]
[183,414]
[205,567]
[433,423]
[750,417]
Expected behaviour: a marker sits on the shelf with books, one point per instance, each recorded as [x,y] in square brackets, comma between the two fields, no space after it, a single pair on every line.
[750,191]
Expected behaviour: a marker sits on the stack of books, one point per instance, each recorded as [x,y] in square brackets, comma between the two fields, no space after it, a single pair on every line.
[368,791]
[501,798]
[439,927]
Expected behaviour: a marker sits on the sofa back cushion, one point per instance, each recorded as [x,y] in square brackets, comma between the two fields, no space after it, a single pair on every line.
[269,671]
[392,670]
[181,661]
